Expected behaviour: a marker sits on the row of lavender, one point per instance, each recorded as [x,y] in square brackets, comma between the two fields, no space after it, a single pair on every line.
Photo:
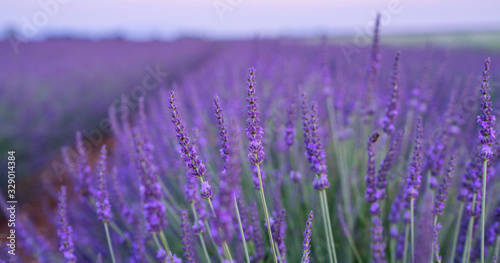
[384,178]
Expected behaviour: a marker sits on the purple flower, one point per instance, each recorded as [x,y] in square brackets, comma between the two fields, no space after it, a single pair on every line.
[255,177]
[223,134]
[153,207]
[386,165]
[391,111]
[295,176]
[187,237]
[486,120]
[188,151]
[290,124]
[372,71]
[83,168]
[306,244]
[415,174]
[198,227]
[255,133]
[378,245]
[65,231]
[165,257]
[371,191]
[442,193]
[394,213]
[101,200]
[435,241]
[278,228]
[207,191]
[314,148]
[256,237]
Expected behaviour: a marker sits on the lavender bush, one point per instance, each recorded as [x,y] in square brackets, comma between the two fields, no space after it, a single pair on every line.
[273,151]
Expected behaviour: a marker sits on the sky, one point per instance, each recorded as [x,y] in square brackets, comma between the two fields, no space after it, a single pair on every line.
[169,19]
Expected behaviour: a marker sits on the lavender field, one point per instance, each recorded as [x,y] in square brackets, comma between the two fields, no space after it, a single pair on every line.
[263,150]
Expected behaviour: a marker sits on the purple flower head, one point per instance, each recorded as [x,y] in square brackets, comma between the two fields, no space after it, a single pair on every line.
[314,148]
[223,134]
[306,244]
[486,120]
[188,151]
[101,200]
[295,176]
[153,208]
[442,193]
[290,124]
[186,236]
[165,257]
[256,237]
[391,111]
[255,132]
[199,227]
[255,177]
[435,241]
[386,165]
[207,191]
[64,230]
[190,189]
[415,173]
[378,245]
[278,228]
[371,191]
[372,71]
[83,168]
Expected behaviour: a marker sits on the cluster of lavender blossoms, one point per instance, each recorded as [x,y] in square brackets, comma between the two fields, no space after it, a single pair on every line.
[175,189]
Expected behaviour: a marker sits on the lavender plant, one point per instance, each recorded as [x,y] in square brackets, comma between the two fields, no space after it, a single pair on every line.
[172,187]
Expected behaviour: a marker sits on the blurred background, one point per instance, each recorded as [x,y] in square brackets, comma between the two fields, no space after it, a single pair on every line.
[64,63]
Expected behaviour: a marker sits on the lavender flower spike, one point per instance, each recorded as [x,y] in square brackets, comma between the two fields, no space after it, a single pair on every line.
[306,245]
[290,124]
[186,237]
[207,191]
[435,244]
[391,110]
[317,156]
[371,190]
[255,132]
[65,231]
[486,119]
[102,201]
[188,151]
[153,208]
[442,193]
[415,174]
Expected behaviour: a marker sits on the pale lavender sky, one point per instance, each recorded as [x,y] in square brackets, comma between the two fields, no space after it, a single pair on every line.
[242,18]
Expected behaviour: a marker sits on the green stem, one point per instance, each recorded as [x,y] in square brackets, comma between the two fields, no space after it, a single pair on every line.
[483,209]
[457,230]
[109,242]
[412,222]
[497,247]
[263,199]
[247,257]
[224,244]
[164,241]
[330,227]
[212,239]
[407,235]
[393,250]
[468,240]
[432,246]
[325,222]
[203,246]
